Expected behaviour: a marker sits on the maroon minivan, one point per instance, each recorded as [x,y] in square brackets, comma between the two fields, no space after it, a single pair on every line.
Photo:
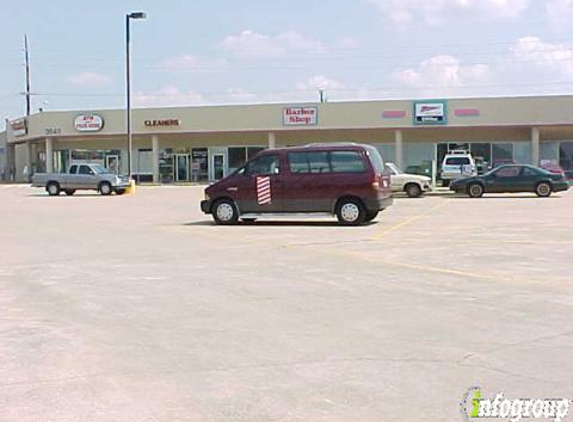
[346,180]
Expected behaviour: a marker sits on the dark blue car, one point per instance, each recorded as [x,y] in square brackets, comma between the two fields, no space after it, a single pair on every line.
[510,179]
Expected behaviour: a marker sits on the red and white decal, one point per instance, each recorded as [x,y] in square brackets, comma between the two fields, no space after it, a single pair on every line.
[264,190]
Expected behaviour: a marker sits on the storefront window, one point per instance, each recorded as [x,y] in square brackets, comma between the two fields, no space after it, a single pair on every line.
[418,158]
[237,157]
[549,151]
[502,154]
[240,155]
[566,156]
[252,151]
[199,164]
[522,152]
[387,151]
[482,155]
[166,165]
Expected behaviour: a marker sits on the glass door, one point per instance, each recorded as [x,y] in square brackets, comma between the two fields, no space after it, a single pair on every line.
[218,166]
[181,169]
[112,163]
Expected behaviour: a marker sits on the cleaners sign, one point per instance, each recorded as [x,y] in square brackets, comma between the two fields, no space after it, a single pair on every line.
[300,116]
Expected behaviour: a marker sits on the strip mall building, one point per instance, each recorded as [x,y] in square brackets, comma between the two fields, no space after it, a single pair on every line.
[206,143]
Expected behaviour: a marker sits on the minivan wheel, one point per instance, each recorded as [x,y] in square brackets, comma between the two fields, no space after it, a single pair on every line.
[370,216]
[225,212]
[543,190]
[53,189]
[413,190]
[350,212]
[475,190]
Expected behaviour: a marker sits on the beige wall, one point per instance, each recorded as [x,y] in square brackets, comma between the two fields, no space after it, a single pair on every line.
[501,112]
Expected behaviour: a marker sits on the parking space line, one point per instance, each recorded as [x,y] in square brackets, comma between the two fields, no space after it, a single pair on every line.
[407,222]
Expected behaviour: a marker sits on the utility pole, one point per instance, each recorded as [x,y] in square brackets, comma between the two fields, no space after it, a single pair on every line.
[321,94]
[27,93]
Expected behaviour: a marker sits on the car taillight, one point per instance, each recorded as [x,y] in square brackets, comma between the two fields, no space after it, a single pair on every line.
[376,185]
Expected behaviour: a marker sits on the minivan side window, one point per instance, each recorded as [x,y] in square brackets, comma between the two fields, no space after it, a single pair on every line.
[309,162]
[347,162]
[73,169]
[265,165]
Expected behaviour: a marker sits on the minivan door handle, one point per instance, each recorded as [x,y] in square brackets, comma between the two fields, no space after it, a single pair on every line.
[232,189]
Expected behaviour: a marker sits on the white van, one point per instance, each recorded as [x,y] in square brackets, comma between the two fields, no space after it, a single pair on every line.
[457,164]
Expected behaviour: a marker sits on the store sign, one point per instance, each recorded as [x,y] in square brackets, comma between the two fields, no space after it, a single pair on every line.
[430,113]
[88,123]
[300,116]
[19,127]
[162,123]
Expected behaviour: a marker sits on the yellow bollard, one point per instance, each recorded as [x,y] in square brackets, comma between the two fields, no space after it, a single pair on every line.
[130,190]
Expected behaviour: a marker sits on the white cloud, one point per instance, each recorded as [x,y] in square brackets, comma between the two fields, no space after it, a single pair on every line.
[442,74]
[433,12]
[560,10]
[90,79]
[549,59]
[252,44]
[188,62]
[168,96]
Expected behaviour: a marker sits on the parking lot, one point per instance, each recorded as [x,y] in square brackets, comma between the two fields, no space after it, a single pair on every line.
[138,308]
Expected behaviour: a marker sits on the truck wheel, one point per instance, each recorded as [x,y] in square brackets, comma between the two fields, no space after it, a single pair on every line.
[350,212]
[225,212]
[70,192]
[53,188]
[543,189]
[105,188]
[413,190]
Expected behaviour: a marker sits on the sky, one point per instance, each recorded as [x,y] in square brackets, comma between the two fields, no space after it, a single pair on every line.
[255,51]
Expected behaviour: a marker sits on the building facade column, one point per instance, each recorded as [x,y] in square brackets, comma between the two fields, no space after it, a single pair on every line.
[49,155]
[155,157]
[399,148]
[27,171]
[535,154]
[123,161]
[272,140]
[10,162]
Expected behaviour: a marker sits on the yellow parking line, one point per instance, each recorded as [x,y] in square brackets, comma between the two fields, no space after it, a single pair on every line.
[410,220]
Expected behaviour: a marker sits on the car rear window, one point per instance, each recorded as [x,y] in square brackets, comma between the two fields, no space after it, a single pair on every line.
[347,162]
[458,161]
[309,162]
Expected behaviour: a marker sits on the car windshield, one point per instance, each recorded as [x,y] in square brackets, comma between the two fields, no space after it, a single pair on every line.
[99,169]
[394,169]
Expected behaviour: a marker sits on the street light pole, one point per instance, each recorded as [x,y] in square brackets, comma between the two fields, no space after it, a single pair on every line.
[128,18]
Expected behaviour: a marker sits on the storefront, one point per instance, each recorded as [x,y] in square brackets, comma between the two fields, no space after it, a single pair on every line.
[200,144]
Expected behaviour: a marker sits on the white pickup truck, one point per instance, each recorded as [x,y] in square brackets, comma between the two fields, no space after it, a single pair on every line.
[82,176]
[413,184]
